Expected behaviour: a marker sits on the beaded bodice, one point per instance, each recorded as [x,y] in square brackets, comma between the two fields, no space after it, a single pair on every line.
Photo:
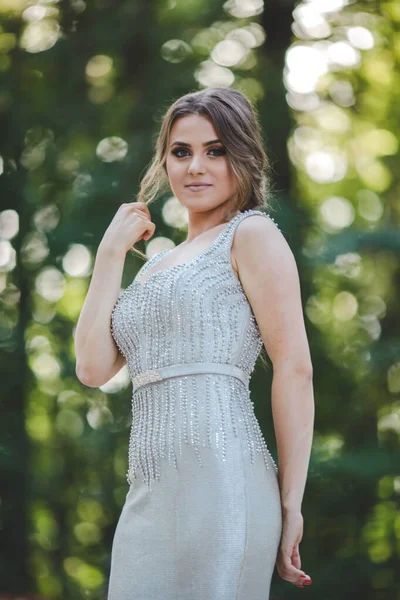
[192,312]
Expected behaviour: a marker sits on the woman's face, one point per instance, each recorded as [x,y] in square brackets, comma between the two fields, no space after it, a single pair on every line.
[194,156]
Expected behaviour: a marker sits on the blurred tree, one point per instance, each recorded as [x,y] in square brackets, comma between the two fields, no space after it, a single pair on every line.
[84,88]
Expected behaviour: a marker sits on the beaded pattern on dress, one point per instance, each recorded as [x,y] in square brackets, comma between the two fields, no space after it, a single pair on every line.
[196,311]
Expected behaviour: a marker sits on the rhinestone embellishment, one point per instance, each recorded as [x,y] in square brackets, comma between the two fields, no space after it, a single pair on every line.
[146,377]
[194,312]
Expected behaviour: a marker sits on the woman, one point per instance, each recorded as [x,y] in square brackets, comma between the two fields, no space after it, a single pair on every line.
[207,515]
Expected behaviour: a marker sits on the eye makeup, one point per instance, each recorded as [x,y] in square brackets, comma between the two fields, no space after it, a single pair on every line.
[220,151]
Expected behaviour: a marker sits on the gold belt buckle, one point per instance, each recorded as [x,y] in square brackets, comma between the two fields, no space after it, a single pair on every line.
[147,377]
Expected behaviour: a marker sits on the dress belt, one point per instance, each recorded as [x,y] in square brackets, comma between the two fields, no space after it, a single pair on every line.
[147,377]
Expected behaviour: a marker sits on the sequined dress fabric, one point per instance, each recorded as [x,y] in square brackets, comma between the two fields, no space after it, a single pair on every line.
[202,516]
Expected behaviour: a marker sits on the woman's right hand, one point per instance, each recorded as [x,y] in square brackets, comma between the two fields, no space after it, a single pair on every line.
[131,223]
[288,563]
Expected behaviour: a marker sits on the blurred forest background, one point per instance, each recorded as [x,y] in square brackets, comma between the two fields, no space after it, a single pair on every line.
[83,88]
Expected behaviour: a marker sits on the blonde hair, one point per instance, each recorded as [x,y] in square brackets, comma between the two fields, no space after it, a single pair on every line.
[236,123]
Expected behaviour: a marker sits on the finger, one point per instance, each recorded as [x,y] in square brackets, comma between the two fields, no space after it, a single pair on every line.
[147,235]
[291,572]
[304,580]
[143,216]
[296,561]
[142,206]
[150,231]
[139,208]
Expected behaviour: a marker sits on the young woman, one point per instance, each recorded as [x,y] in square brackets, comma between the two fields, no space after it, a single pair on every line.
[208,514]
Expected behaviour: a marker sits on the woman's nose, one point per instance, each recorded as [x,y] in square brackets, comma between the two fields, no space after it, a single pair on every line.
[196,165]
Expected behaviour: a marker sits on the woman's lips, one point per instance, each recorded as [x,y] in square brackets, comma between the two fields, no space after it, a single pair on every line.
[197,188]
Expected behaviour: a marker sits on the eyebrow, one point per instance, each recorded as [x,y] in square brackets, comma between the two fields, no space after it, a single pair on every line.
[189,145]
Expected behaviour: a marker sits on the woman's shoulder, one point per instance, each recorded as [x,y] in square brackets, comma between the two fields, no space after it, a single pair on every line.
[260,222]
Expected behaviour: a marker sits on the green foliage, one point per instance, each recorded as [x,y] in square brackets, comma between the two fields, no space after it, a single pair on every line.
[83,88]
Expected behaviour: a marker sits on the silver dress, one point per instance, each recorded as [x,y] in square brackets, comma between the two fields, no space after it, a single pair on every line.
[202,516]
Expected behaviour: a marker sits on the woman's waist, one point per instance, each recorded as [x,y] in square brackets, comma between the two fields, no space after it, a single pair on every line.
[177,371]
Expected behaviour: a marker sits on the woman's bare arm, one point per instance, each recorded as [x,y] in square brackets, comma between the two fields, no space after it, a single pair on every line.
[269,276]
[98,357]
[268,273]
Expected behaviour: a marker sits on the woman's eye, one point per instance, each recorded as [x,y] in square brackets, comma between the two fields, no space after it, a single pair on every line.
[176,152]
[217,151]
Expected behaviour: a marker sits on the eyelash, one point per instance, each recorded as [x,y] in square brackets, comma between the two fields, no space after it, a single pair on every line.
[175,152]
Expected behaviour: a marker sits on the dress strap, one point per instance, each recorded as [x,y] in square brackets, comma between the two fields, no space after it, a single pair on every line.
[238,219]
